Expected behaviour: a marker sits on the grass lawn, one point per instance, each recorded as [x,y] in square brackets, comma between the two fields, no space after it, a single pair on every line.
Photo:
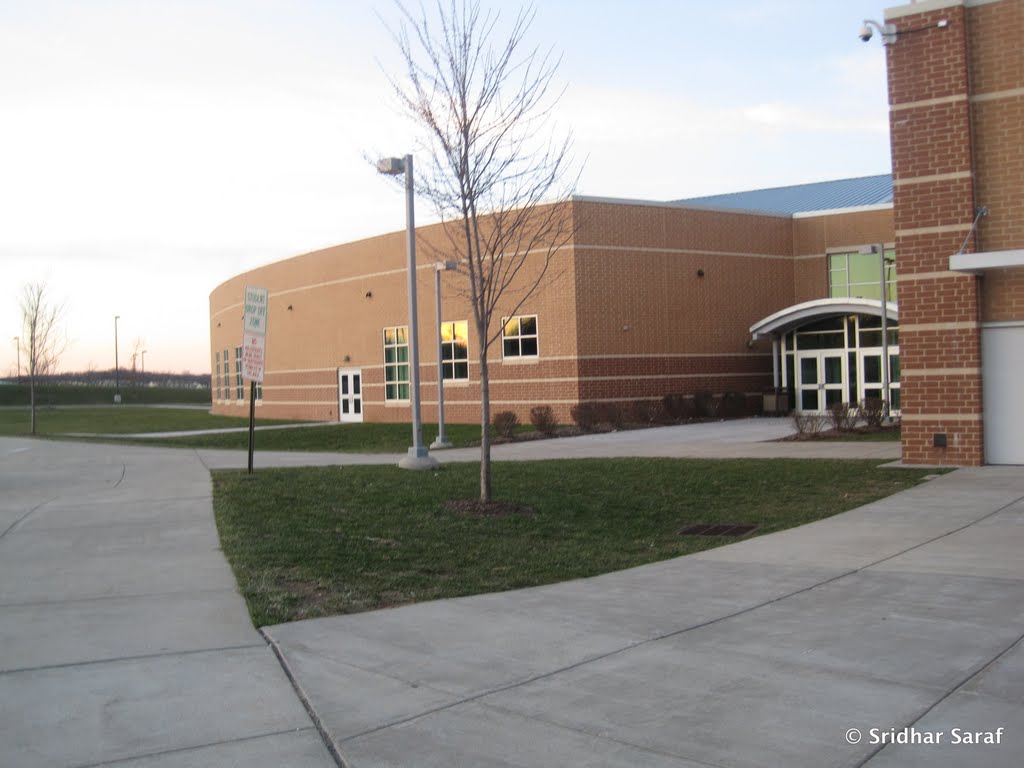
[320,541]
[123,419]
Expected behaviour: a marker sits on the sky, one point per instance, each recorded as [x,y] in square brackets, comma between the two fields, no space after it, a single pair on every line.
[152,149]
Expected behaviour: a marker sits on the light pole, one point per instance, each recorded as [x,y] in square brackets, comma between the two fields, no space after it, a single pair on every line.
[117,365]
[442,439]
[143,363]
[880,250]
[418,456]
[17,340]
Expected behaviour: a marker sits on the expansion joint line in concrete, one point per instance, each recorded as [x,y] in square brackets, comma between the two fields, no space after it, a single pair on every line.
[970,676]
[650,640]
[120,659]
[193,748]
[25,517]
[325,737]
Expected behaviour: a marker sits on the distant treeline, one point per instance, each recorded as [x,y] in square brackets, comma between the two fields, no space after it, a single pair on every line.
[98,387]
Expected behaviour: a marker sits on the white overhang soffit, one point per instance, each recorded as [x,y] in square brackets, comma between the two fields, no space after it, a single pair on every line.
[792,317]
[979,262]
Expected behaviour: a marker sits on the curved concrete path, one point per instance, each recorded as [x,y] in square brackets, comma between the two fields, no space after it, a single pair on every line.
[903,614]
[123,639]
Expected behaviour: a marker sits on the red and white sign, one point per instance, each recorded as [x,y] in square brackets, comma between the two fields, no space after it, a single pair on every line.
[254,347]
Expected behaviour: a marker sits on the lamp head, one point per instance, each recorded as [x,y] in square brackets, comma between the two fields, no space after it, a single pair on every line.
[391,166]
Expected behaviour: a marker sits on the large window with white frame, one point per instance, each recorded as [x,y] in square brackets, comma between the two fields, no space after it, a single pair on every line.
[519,337]
[858,275]
[455,351]
[216,373]
[239,386]
[226,368]
[396,363]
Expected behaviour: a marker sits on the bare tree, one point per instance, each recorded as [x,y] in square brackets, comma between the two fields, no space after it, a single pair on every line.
[137,348]
[496,173]
[43,335]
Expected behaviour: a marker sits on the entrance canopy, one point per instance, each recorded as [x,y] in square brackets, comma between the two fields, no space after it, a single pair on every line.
[785,320]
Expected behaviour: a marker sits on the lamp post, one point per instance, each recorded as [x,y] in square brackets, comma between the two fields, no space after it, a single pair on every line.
[883,292]
[17,340]
[418,456]
[143,363]
[442,440]
[117,366]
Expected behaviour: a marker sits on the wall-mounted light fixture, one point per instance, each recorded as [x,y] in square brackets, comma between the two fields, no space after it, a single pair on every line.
[289,307]
[700,273]
[369,294]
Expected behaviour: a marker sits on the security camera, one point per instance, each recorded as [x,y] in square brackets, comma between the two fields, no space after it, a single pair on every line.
[865,33]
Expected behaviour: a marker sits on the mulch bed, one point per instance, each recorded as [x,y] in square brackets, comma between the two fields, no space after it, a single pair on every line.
[477,508]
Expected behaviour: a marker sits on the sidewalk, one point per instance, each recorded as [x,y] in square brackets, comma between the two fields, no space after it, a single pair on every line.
[122,635]
[903,614]
[739,439]
[123,639]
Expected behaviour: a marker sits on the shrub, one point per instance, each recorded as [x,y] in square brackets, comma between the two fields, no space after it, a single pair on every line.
[843,416]
[872,409]
[505,423]
[584,416]
[543,419]
[647,412]
[705,404]
[610,414]
[734,405]
[677,407]
[809,423]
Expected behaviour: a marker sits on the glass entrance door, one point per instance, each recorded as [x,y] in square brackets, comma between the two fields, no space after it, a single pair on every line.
[820,379]
[350,394]
[870,375]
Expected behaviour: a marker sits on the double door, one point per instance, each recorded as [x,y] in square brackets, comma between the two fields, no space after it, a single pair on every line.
[350,395]
[821,377]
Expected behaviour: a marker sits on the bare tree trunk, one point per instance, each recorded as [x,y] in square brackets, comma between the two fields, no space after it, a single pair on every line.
[485,429]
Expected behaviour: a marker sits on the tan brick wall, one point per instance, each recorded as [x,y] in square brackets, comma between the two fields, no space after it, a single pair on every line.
[327,309]
[815,236]
[934,203]
[646,301]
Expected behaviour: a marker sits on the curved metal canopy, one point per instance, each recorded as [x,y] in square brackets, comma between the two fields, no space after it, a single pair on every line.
[787,319]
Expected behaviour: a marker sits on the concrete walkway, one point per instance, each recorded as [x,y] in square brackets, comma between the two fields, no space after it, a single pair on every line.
[123,639]
[742,438]
[904,614]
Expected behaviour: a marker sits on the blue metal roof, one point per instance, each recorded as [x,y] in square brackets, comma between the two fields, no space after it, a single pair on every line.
[803,198]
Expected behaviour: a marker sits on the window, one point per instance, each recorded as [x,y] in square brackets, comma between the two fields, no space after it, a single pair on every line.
[239,387]
[857,275]
[216,373]
[396,363]
[226,368]
[519,336]
[454,351]
[259,391]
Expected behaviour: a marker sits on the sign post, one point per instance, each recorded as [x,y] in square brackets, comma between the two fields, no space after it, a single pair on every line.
[254,346]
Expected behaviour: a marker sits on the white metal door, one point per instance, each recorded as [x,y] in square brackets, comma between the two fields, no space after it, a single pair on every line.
[350,394]
[1002,360]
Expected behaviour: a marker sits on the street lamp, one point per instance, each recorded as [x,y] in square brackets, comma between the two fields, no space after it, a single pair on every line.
[880,250]
[143,363]
[442,441]
[418,456]
[17,340]
[117,366]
